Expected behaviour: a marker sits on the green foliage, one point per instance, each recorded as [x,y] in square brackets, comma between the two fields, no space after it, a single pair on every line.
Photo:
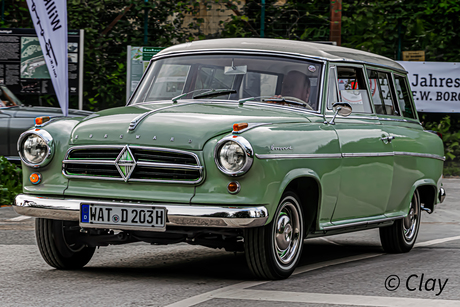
[450,131]
[430,25]
[298,20]
[10,181]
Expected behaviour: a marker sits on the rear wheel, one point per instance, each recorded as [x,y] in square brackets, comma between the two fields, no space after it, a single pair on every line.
[273,251]
[57,242]
[400,237]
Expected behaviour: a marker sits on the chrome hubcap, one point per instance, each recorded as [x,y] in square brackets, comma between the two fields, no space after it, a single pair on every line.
[287,233]
[411,221]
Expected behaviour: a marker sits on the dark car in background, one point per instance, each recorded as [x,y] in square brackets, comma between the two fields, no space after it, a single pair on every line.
[15,118]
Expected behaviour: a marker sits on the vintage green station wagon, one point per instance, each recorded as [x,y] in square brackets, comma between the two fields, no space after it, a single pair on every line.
[245,144]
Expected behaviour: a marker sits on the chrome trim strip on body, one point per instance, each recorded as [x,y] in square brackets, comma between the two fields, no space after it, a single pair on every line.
[368,154]
[348,155]
[13,158]
[363,223]
[400,120]
[422,155]
[60,208]
[197,167]
[298,156]
[138,119]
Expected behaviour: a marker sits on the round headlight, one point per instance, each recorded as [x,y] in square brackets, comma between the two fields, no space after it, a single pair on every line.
[35,147]
[233,156]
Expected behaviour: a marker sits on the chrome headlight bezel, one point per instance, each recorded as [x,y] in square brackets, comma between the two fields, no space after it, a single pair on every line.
[245,146]
[46,137]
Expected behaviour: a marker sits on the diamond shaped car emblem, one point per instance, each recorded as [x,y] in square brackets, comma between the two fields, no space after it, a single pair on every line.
[125,163]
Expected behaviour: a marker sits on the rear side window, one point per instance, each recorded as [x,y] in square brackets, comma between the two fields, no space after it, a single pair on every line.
[404,100]
[352,88]
[381,94]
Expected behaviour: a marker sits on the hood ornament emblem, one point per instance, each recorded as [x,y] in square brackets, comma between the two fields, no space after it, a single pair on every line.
[125,163]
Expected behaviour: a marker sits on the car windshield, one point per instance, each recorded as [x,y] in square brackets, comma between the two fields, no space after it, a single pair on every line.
[268,79]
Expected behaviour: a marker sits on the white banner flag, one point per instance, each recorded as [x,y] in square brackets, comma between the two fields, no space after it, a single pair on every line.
[50,22]
[435,86]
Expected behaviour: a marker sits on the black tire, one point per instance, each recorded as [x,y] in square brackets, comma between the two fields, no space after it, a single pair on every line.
[401,236]
[270,253]
[54,240]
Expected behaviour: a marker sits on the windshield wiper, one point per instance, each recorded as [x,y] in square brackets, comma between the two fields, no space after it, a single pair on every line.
[216,92]
[299,103]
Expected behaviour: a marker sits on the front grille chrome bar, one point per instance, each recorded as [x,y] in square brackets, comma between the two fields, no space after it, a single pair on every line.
[130,164]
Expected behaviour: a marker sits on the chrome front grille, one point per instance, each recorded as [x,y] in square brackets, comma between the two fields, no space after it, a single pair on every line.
[132,163]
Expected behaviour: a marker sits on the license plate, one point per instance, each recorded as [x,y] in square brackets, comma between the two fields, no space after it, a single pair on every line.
[119,216]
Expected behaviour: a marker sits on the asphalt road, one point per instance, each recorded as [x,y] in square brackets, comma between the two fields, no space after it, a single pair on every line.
[343,270]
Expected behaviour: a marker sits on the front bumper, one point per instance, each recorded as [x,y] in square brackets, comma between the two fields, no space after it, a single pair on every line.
[60,208]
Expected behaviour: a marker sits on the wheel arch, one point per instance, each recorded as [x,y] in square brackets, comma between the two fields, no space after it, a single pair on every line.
[427,194]
[427,189]
[306,184]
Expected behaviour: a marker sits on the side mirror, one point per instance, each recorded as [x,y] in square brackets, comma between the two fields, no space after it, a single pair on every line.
[341,108]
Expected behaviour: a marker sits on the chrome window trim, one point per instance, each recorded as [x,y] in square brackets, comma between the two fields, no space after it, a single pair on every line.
[353,117]
[400,119]
[411,97]
[255,103]
[402,71]
[198,167]
[320,60]
[403,120]
[49,145]
[247,148]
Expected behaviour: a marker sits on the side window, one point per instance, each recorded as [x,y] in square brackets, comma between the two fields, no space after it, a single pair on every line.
[402,93]
[352,89]
[379,83]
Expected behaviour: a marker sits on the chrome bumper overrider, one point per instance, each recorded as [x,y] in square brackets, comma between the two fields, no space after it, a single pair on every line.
[441,195]
[177,215]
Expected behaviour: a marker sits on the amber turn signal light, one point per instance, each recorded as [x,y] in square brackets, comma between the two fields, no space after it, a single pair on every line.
[35,178]
[233,187]
[239,126]
[41,120]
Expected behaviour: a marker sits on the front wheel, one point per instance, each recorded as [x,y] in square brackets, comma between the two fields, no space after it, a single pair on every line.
[400,237]
[273,251]
[57,242]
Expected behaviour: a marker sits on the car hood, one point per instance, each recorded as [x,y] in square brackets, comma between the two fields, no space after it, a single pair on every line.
[186,125]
